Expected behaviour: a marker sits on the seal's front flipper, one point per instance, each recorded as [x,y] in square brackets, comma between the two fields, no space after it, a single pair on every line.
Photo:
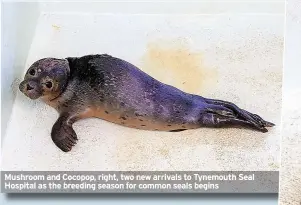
[62,134]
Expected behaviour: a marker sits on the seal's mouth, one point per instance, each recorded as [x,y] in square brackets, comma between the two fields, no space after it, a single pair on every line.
[30,89]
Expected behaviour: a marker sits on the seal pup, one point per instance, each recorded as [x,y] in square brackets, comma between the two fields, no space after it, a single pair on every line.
[112,89]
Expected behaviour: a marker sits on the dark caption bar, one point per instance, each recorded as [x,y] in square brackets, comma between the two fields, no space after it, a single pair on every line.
[139,182]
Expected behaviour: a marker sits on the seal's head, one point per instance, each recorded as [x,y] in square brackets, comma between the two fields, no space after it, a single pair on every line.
[46,78]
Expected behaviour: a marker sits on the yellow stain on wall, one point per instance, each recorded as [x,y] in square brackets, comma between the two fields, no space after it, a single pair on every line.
[56,27]
[174,63]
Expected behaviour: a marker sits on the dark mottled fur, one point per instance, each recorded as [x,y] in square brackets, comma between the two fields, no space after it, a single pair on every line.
[115,90]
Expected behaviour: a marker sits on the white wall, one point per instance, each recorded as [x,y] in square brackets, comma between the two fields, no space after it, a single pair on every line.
[292,60]
[163,7]
[18,26]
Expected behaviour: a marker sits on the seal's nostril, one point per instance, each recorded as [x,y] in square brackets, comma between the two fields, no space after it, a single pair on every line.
[28,87]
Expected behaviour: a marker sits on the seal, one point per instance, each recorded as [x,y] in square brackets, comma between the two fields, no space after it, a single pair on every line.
[112,89]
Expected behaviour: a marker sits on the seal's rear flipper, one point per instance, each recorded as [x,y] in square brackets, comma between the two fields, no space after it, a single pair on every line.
[242,114]
[219,121]
[259,119]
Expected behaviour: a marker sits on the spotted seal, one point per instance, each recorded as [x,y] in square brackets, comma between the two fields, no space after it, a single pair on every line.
[113,89]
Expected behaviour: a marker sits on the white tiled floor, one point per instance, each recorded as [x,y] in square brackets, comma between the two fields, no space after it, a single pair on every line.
[231,57]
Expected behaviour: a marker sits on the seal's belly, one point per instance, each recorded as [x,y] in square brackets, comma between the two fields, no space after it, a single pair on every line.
[134,121]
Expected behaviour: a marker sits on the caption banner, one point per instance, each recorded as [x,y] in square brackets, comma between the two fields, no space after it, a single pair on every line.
[139,182]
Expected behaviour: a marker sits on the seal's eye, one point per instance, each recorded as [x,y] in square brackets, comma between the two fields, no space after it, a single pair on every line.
[48,84]
[32,72]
